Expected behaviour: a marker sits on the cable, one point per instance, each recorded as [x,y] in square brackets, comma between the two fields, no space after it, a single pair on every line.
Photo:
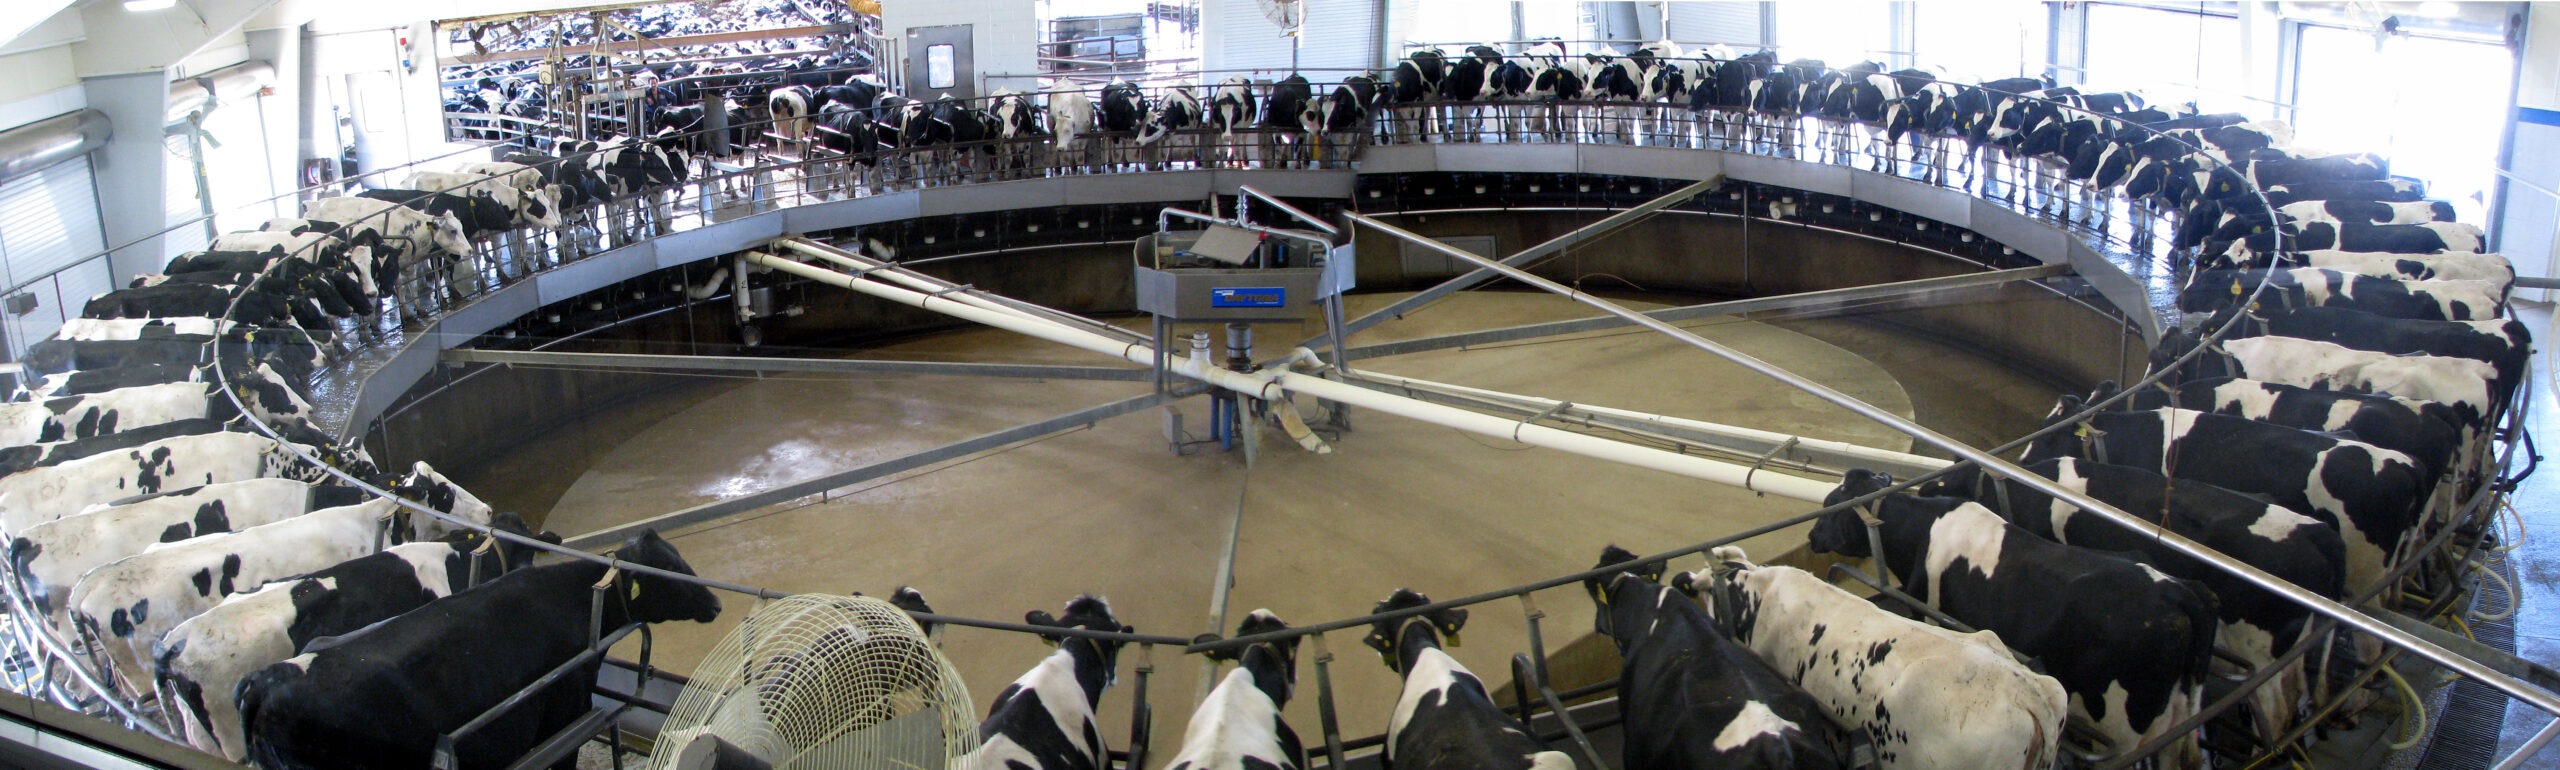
[2416,708]
[2503,584]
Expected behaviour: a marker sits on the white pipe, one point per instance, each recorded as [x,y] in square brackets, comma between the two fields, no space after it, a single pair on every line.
[945,289]
[1271,383]
[1842,448]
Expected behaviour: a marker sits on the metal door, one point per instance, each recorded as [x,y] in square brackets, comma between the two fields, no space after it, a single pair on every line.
[939,62]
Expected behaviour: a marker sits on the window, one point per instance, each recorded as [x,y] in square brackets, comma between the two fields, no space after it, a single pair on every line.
[2392,98]
[2172,55]
[1839,32]
[1982,42]
[938,69]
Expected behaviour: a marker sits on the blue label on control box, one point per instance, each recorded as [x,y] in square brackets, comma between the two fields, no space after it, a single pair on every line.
[1249,296]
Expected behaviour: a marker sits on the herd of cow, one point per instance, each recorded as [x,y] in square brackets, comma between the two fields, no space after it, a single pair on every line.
[210,570]
[206,569]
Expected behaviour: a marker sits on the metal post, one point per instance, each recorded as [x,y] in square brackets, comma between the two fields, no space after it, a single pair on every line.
[1325,719]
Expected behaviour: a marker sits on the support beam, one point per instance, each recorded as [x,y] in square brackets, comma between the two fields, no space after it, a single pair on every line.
[1812,454]
[2539,698]
[714,511]
[1797,301]
[646,362]
[1531,256]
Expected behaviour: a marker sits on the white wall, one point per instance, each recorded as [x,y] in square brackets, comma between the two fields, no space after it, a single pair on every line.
[2525,227]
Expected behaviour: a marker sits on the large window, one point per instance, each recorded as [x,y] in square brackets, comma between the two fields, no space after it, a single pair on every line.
[2173,55]
[2391,97]
[1839,32]
[1988,41]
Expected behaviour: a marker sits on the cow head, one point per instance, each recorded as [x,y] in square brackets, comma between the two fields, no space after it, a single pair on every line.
[1399,639]
[1844,531]
[2069,442]
[448,235]
[655,599]
[1608,590]
[1724,587]
[538,207]
[909,599]
[1274,664]
[424,485]
[1097,660]
[266,395]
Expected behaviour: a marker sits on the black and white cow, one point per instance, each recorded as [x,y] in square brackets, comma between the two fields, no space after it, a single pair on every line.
[1445,719]
[49,558]
[2462,385]
[2423,430]
[1231,106]
[382,696]
[208,655]
[99,414]
[1690,697]
[2394,190]
[1123,112]
[2503,344]
[128,604]
[535,207]
[49,493]
[1168,129]
[1021,140]
[1924,696]
[2320,287]
[791,109]
[2375,497]
[2130,643]
[2255,625]
[1239,726]
[1285,133]
[1408,98]
[1047,719]
[1340,120]
[191,300]
[83,383]
[479,214]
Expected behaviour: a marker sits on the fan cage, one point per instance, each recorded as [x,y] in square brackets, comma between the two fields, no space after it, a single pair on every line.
[826,681]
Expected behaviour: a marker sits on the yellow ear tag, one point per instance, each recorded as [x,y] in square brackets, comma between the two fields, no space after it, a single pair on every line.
[635,590]
[2235,288]
[1453,639]
[2083,431]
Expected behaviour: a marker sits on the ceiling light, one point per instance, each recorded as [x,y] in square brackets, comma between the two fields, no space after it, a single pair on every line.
[149,5]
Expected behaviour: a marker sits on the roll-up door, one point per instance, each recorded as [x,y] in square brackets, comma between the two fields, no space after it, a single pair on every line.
[48,226]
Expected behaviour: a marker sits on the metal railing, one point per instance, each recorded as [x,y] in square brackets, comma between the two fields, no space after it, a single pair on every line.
[774,176]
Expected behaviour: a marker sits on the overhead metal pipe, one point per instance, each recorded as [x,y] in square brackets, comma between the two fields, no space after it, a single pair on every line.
[32,147]
[1270,384]
[1842,452]
[2350,616]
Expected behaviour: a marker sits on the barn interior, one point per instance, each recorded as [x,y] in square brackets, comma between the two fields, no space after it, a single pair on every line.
[1229,309]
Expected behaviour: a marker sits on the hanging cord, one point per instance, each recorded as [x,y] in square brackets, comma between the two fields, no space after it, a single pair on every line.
[2417,710]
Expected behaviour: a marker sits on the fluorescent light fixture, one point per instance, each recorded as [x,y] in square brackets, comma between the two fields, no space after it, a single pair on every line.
[149,5]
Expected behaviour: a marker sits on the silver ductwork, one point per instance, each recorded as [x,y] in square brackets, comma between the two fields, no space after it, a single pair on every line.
[228,84]
[29,148]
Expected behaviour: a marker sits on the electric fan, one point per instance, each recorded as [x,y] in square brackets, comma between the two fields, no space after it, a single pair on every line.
[824,682]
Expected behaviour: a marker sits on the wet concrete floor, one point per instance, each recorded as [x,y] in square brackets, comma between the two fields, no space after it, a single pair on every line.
[1112,510]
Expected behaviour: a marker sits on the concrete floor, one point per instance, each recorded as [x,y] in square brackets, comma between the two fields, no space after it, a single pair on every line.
[1109,510]
[2537,560]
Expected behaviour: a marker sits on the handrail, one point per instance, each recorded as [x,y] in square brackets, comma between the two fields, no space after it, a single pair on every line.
[223,375]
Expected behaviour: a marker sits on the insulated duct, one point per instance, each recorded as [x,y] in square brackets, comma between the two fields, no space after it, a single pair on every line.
[228,84]
[30,148]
